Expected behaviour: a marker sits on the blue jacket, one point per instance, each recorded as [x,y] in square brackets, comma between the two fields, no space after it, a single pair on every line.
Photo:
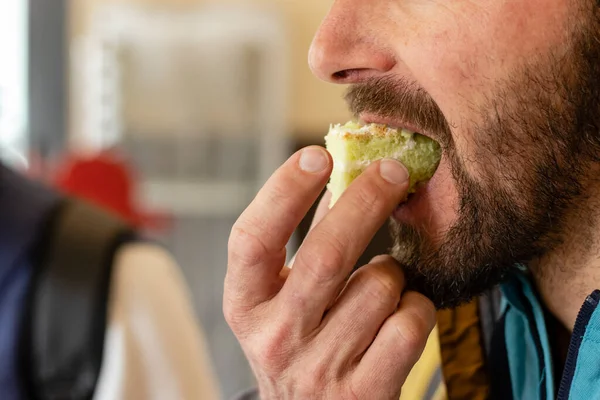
[504,351]
[528,351]
[24,207]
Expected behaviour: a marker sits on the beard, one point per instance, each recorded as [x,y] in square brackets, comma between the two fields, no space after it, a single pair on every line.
[531,157]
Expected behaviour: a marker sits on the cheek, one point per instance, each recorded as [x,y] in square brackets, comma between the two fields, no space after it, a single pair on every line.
[444,200]
[462,52]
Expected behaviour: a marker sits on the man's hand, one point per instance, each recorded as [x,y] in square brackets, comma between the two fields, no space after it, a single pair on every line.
[309,332]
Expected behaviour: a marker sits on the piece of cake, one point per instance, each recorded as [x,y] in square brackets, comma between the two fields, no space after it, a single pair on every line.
[354,146]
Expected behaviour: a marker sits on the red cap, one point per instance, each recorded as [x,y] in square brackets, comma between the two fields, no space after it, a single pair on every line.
[107,181]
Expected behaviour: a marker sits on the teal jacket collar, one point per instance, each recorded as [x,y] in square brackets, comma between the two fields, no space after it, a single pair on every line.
[528,346]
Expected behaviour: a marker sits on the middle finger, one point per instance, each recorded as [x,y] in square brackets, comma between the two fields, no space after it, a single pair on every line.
[371,296]
[332,248]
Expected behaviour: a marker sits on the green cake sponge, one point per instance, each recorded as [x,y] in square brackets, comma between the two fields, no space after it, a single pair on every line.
[354,146]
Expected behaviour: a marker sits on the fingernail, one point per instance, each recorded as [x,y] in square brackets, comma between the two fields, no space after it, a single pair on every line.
[393,171]
[313,160]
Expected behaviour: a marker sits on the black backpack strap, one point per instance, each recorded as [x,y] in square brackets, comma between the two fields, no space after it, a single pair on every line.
[65,321]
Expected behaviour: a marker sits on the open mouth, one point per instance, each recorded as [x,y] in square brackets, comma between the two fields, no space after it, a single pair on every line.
[412,200]
[396,124]
[355,145]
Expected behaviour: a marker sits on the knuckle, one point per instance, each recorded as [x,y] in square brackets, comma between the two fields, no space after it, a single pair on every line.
[413,330]
[245,247]
[370,198]
[320,375]
[355,391]
[280,194]
[280,190]
[233,315]
[315,379]
[426,306]
[272,350]
[379,285]
[237,317]
[230,314]
[384,259]
[325,261]
[270,356]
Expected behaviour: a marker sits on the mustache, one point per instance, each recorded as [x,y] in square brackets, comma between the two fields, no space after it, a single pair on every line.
[399,99]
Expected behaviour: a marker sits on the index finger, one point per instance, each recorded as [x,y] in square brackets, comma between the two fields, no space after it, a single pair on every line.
[256,250]
[332,248]
[396,348]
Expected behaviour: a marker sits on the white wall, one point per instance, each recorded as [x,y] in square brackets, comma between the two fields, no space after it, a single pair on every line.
[313,104]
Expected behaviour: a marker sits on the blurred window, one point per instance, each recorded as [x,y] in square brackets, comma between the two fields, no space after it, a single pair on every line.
[13,78]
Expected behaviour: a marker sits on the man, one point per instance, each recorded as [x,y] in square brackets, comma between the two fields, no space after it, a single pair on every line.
[510,90]
[151,344]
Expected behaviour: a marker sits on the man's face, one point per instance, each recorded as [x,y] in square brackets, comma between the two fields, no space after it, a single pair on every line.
[510,89]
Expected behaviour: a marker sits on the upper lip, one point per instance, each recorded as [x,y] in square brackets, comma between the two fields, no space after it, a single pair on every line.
[394,123]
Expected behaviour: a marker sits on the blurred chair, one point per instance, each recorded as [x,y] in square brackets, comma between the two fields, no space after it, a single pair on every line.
[197,99]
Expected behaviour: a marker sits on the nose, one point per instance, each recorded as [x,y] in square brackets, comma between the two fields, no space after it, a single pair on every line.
[350,44]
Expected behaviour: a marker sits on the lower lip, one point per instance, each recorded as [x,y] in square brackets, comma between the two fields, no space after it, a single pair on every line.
[405,212]
[416,207]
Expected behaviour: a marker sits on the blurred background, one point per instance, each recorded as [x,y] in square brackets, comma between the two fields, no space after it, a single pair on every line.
[186,106]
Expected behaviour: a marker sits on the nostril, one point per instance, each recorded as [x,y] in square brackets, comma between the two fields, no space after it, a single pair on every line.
[350,76]
[340,75]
